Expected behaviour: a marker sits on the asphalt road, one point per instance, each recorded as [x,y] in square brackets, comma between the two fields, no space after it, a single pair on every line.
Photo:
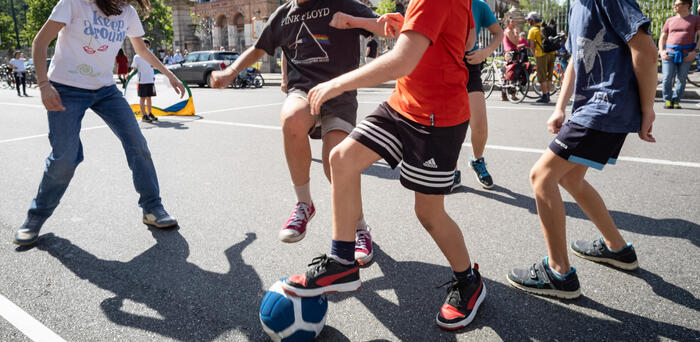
[99,274]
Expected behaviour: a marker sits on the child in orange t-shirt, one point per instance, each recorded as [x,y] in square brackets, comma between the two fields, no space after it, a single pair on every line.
[426,117]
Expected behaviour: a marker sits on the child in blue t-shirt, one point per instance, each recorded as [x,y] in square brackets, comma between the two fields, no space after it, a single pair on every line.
[611,99]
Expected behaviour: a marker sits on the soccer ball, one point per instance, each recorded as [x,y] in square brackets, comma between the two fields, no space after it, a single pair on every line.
[288,318]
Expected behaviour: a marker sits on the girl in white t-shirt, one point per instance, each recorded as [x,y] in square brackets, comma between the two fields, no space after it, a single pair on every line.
[90,34]
[19,71]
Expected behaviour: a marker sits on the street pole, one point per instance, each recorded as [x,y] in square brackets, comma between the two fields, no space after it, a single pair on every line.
[14,18]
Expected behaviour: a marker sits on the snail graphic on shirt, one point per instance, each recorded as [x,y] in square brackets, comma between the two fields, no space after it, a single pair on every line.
[85,70]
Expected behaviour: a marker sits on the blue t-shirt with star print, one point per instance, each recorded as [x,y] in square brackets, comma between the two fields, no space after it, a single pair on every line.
[606,95]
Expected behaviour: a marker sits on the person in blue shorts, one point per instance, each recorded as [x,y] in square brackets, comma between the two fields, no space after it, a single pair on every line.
[611,99]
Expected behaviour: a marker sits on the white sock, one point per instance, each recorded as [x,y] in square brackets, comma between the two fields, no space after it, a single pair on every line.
[361,224]
[303,193]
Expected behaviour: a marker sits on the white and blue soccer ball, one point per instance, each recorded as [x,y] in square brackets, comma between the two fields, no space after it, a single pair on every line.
[288,318]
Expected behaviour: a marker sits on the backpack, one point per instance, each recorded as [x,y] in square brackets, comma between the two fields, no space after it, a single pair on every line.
[550,41]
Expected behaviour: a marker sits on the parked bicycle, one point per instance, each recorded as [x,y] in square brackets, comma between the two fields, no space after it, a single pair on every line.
[493,73]
[7,80]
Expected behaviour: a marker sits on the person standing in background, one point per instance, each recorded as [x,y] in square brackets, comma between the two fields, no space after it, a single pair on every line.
[122,66]
[19,71]
[678,48]
[372,47]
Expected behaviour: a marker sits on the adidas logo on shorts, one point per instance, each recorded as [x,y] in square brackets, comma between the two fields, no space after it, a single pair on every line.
[431,163]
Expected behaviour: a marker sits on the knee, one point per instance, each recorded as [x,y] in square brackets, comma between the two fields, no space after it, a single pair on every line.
[426,217]
[294,124]
[340,162]
[538,179]
[62,169]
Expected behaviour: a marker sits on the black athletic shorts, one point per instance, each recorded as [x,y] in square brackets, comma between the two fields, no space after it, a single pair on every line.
[587,146]
[427,154]
[146,90]
[474,82]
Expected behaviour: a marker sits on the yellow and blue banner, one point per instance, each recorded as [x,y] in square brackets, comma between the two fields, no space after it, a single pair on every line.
[166,101]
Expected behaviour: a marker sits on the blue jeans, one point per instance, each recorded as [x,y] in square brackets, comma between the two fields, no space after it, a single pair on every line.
[672,71]
[67,150]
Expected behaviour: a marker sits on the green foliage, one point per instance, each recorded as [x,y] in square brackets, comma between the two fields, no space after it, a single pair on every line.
[7,25]
[38,12]
[386,6]
[159,24]
[7,32]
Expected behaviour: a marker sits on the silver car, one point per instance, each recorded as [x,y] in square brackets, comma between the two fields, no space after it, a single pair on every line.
[198,65]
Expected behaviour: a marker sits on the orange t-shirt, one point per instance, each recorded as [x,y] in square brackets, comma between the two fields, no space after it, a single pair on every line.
[435,93]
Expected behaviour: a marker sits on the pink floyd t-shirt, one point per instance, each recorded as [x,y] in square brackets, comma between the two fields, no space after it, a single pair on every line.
[89,42]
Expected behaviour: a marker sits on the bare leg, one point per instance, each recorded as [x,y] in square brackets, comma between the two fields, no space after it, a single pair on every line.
[544,178]
[478,123]
[142,104]
[330,140]
[593,205]
[296,121]
[149,104]
[430,210]
[347,161]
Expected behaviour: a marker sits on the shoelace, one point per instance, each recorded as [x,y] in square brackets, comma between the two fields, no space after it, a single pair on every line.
[480,166]
[297,218]
[319,262]
[362,237]
[33,223]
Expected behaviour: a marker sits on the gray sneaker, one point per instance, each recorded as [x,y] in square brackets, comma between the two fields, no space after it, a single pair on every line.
[159,218]
[597,251]
[28,233]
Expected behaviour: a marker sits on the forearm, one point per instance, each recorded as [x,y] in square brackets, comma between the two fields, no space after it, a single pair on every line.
[143,51]
[368,24]
[644,64]
[567,89]
[662,42]
[496,42]
[385,68]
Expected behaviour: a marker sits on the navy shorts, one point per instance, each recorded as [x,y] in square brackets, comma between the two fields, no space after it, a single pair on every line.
[146,90]
[587,146]
[427,154]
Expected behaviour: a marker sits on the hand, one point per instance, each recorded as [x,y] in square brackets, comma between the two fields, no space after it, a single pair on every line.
[51,99]
[648,117]
[221,79]
[322,93]
[690,57]
[177,84]
[556,121]
[283,86]
[341,21]
[477,57]
[393,24]
[665,56]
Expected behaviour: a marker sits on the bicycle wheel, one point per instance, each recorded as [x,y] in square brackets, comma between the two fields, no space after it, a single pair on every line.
[535,87]
[518,88]
[556,84]
[488,79]
[4,82]
[693,78]
[259,81]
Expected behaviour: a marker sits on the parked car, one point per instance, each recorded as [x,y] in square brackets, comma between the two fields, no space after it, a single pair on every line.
[198,65]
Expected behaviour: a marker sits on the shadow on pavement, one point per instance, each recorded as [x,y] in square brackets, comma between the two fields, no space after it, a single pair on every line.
[379,169]
[193,304]
[512,314]
[675,228]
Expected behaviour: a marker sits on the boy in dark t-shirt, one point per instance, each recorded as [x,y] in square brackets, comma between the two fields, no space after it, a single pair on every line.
[320,40]
[612,76]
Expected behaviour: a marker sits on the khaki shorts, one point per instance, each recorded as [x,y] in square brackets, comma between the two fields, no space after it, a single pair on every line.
[545,67]
[324,123]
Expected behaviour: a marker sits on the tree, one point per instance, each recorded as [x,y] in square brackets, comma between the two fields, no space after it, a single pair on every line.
[386,6]
[159,24]
[38,12]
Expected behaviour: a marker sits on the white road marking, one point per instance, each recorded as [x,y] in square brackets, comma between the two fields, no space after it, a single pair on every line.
[20,105]
[46,135]
[26,323]
[495,147]
[239,108]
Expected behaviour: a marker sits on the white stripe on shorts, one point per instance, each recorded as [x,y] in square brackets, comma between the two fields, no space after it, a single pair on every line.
[426,172]
[429,181]
[387,134]
[420,182]
[393,148]
[397,158]
[383,135]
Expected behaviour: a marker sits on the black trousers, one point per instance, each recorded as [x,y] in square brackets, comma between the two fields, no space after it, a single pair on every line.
[21,78]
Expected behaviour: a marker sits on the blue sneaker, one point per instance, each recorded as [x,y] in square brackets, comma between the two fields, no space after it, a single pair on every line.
[159,218]
[482,175]
[28,233]
[457,181]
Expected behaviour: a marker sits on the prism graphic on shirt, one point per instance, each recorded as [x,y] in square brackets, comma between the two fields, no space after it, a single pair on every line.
[308,47]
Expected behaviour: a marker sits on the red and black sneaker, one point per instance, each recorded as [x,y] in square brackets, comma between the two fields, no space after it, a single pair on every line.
[324,275]
[463,300]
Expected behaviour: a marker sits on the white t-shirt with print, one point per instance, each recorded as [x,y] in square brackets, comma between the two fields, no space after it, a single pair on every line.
[145,70]
[88,44]
[18,63]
